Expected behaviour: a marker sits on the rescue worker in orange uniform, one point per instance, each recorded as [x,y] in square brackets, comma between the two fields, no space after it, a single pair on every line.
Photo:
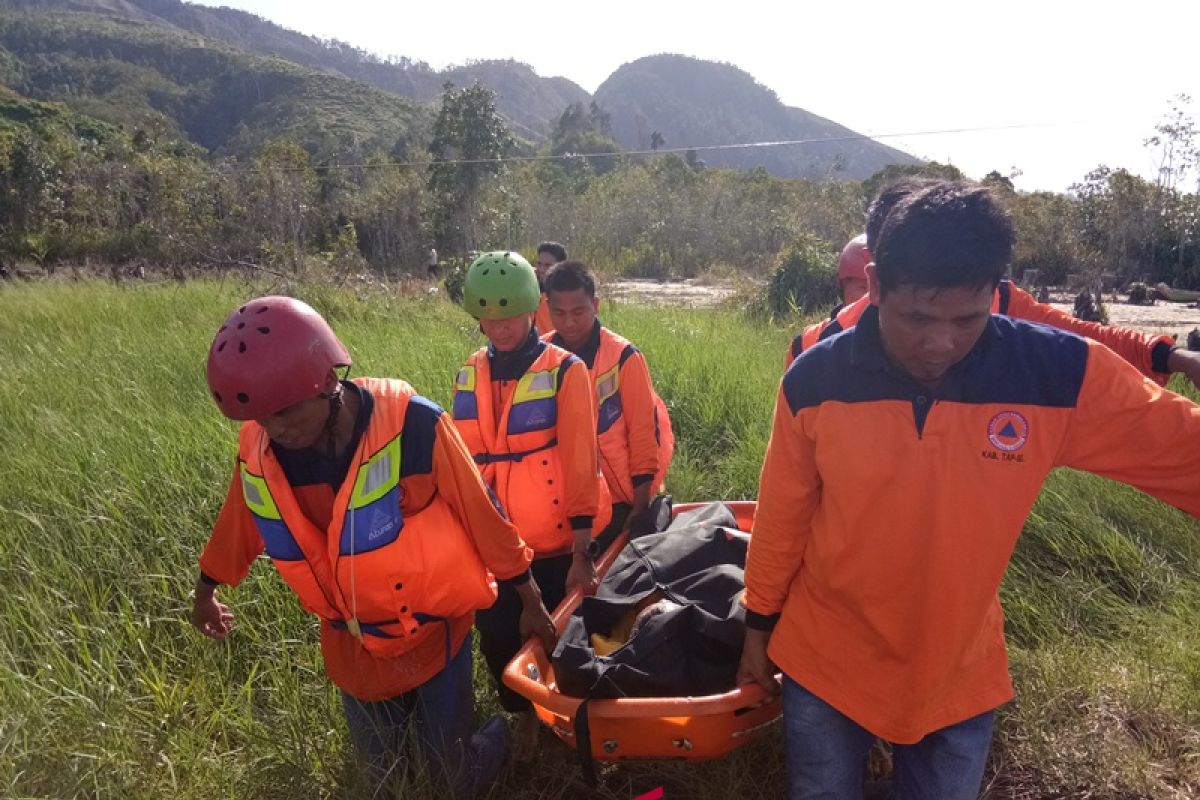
[372,510]
[851,277]
[635,436]
[1157,357]
[851,273]
[905,456]
[524,409]
[548,254]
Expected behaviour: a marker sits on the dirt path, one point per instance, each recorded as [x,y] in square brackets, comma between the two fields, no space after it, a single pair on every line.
[668,293]
[1162,317]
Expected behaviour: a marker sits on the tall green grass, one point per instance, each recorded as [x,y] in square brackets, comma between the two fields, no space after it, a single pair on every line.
[113,463]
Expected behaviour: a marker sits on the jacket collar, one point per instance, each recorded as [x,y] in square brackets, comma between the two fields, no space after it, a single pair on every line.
[867,350]
[587,352]
[511,366]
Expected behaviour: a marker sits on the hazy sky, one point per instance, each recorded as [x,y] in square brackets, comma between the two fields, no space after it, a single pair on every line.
[1090,80]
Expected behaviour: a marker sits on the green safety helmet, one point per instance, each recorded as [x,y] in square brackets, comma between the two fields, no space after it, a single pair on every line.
[499,285]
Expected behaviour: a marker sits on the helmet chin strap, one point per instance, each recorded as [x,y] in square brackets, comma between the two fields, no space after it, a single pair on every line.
[336,401]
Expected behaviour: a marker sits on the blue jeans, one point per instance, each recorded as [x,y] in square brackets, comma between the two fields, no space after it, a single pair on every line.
[827,754]
[438,715]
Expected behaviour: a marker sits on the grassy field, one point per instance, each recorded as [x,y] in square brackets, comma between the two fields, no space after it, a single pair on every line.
[113,462]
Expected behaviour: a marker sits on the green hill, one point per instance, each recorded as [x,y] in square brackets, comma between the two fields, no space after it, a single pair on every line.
[142,74]
[218,75]
[696,103]
[530,101]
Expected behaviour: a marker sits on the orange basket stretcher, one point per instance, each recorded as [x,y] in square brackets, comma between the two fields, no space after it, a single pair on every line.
[691,728]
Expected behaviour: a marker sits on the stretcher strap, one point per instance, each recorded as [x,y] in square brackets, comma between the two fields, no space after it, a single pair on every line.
[583,744]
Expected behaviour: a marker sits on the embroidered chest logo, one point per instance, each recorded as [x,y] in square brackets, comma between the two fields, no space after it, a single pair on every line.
[1008,431]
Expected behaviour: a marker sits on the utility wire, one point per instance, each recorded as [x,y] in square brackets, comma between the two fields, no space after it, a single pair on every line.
[660,151]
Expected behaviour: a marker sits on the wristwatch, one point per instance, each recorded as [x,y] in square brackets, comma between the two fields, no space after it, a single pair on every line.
[592,549]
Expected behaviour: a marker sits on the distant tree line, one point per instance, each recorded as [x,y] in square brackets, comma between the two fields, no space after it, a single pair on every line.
[73,189]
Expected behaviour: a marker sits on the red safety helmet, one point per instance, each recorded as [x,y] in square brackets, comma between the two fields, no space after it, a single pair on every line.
[271,353]
[854,259]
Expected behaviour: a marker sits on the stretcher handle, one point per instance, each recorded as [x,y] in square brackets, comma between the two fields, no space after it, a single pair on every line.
[563,611]
[747,697]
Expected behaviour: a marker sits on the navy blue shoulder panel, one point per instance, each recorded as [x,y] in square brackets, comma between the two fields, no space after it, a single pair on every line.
[829,331]
[1025,363]
[1016,362]
[824,372]
[420,434]
[562,369]
[629,352]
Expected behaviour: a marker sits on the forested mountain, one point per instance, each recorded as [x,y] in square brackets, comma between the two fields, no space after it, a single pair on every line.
[531,102]
[200,70]
[690,102]
[528,100]
[163,81]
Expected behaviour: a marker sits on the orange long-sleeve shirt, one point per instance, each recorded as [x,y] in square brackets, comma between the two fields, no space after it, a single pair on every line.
[887,514]
[1147,353]
[434,461]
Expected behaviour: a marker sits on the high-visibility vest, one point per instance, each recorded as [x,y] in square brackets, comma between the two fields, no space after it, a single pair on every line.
[376,572]
[611,423]
[516,447]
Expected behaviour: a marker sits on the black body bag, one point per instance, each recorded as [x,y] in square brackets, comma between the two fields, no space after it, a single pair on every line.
[674,598]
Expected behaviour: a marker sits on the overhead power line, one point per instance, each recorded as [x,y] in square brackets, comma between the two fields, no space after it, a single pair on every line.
[663,150]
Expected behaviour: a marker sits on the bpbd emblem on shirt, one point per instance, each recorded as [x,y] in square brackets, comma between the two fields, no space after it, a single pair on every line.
[1008,431]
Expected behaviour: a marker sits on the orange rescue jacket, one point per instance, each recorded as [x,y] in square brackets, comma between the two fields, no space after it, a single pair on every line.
[633,426]
[361,572]
[518,451]
[396,549]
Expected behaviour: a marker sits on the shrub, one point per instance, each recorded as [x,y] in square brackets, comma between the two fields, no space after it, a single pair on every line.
[1140,294]
[456,276]
[803,279]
